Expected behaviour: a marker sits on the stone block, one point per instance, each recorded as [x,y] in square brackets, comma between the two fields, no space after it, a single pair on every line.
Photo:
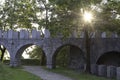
[0,33]
[111,71]
[10,34]
[46,33]
[102,70]
[24,34]
[36,34]
[118,73]
[15,35]
[5,34]
[94,69]
[103,35]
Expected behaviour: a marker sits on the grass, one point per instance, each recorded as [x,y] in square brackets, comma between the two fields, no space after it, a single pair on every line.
[7,73]
[76,75]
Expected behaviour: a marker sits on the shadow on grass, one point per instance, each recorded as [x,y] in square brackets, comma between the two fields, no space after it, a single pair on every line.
[76,75]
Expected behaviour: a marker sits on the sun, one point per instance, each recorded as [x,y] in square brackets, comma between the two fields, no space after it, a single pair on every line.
[87,16]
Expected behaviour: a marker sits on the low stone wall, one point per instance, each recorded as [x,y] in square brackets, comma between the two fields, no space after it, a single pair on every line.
[102,70]
[106,71]
[111,71]
[118,73]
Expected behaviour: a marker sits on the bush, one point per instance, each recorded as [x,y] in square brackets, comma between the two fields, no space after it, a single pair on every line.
[30,62]
[26,62]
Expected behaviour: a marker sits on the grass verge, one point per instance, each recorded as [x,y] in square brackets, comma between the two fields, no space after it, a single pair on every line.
[76,75]
[7,73]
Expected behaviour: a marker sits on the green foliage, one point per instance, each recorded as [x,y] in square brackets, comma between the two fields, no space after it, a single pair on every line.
[18,14]
[60,16]
[108,18]
[37,54]
[68,15]
[7,73]
[62,58]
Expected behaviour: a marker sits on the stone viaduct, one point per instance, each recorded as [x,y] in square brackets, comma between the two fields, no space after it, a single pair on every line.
[103,49]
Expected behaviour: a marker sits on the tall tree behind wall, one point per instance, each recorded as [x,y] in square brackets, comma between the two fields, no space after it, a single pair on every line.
[17,14]
[109,16]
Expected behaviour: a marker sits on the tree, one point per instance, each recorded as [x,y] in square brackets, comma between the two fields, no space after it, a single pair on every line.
[3,49]
[37,53]
[18,14]
[108,16]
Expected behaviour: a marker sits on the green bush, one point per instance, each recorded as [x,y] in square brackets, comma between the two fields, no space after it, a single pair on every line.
[26,62]
[30,62]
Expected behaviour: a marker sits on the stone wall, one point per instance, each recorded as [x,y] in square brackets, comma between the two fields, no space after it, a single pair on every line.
[24,34]
[101,43]
[110,72]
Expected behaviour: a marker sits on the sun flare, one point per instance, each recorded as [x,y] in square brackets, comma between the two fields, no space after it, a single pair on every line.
[87,16]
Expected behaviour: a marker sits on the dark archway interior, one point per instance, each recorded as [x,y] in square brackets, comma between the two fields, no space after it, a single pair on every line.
[110,58]
[69,56]
[36,55]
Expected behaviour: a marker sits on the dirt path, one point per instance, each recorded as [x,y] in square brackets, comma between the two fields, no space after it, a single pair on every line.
[45,75]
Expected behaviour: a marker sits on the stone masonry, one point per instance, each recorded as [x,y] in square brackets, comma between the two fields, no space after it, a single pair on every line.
[16,42]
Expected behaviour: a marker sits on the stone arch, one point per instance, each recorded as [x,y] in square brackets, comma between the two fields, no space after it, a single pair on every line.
[109,58]
[21,48]
[98,51]
[75,48]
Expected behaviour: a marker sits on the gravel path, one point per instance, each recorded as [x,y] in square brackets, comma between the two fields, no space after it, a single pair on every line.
[45,75]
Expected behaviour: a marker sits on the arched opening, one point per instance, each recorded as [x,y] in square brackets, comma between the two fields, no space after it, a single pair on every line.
[110,58]
[31,55]
[4,54]
[69,56]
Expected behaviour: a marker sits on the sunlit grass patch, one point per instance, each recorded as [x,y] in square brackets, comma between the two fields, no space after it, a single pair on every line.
[7,73]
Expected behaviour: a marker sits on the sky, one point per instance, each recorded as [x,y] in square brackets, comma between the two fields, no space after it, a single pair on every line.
[2,1]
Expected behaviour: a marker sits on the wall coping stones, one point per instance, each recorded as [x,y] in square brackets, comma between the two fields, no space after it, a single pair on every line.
[111,71]
[102,70]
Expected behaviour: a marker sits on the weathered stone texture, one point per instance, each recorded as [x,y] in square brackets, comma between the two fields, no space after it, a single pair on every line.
[16,42]
[102,70]
[118,73]
[94,69]
[111,71]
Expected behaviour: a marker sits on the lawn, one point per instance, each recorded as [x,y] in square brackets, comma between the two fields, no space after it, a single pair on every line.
[7,73]
[76,75]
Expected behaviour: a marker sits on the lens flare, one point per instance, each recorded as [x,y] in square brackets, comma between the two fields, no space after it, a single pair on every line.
[88,17]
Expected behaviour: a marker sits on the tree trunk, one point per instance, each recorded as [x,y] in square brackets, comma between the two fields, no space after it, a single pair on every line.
[3,52]
[43,59]
[87,44]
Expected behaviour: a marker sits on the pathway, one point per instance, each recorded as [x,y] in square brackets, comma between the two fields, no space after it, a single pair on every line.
[44,74]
